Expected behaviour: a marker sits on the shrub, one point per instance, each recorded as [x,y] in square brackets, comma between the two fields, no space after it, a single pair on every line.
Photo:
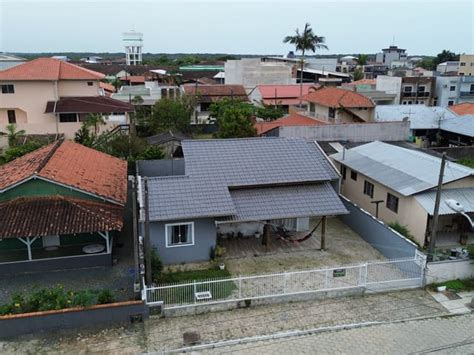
[156,264]
[470,249]
[403,230]
[105,296]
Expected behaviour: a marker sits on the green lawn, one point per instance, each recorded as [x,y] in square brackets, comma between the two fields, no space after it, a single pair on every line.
[456,285]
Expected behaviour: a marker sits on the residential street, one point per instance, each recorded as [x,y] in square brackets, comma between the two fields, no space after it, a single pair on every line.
[160,334]
[452,335]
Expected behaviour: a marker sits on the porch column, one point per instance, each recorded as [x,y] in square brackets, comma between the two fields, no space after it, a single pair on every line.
[107,240]
[28,243]
[323,233]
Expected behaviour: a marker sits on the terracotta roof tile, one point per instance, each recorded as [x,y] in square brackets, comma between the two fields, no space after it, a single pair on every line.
[465,108]
[57,215]
[362,82]
[336,97]
[107,87]
[293,119]
[133,78]
[284,91]
[48,69]
[73,165]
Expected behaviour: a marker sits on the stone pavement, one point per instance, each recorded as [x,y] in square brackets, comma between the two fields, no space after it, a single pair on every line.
[455,303]
[159,334]
[449,335]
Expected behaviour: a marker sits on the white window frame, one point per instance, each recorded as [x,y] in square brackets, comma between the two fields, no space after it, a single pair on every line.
[167,236]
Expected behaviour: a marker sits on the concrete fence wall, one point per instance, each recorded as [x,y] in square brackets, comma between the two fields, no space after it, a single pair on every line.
[95,316]
[380,236]
[354,132]
[440,271]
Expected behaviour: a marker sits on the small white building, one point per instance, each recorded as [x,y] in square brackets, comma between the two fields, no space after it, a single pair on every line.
[447,67]
[447,90]
[251,72]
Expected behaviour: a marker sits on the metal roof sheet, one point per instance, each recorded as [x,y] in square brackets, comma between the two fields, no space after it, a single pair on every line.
[463,125]
[419,116]
[465,196]
[403,170]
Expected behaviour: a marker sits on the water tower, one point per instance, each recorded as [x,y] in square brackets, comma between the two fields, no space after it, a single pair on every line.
[133,42]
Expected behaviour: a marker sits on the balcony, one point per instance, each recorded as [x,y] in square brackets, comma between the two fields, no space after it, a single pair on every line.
[416,94]
[467,79]
[466,94]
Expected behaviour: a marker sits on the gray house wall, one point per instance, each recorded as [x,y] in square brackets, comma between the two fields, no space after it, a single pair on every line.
[204,240]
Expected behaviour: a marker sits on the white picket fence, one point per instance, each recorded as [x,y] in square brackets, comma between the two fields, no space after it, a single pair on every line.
[374,276]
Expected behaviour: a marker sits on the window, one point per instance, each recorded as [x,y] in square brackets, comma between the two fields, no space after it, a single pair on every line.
[90,83]
[331,112]
[67,117]
[343,172]
[312,107]
[452,88]
[8,89]
[463,64]
[368,189]
[179,234]
[471,89]
[353,175]
[392,202]
[11,116]
[450,103]
[407,89]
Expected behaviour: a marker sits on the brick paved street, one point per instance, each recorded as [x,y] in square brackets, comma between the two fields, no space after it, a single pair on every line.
[166,334]
[453,335]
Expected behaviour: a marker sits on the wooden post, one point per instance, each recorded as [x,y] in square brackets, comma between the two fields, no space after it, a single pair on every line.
[434,229]
[266,236]
[323,233]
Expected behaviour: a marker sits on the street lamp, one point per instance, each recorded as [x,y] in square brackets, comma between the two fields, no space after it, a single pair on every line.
[458,208]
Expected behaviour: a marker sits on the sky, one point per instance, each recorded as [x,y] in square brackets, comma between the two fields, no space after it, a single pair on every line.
[236,27]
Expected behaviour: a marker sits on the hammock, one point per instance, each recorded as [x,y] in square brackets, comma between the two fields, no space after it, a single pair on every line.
[284,234]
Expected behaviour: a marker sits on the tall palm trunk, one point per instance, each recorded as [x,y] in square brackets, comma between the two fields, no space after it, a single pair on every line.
[301,78]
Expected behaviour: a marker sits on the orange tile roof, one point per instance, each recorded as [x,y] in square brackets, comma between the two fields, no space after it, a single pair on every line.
[48,69]
[465,108]
[107,86]
[336,97]
[133,78]
[293,119]
[269,92]
[73,165]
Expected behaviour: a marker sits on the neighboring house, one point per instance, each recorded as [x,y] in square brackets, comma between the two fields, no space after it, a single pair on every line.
[367,87]
[107,88]
[418,90]
[459,130]
[373,70]
[311,75]
[235,185]
[447,91]
[60,207]
[424,120]
[208,94]
[50,96]
[402,183]
[9,61]
[465,108]
[282,96]
[150,93]
[337,105]
[466,65]
[448,67]
[251,72]
[293,119]
[169,142]
[390,54]
[466,89]
[132,80]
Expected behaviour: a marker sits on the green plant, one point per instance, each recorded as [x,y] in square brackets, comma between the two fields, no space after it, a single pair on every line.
[220,251]
[18,151]
[14,135]
[156,264]
[403,230]
[467,162]
[105,296]
[470,249]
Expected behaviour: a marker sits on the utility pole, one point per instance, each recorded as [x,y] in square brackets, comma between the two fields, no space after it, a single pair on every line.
[148,275]
[136,248]
[434,228]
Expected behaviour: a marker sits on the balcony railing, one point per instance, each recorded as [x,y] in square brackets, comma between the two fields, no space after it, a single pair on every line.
[466,93]
[416,94]
[467,79]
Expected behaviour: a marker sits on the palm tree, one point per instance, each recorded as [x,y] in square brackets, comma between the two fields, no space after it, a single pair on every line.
[362,59]
[94,120]
[306,41]
[14,135]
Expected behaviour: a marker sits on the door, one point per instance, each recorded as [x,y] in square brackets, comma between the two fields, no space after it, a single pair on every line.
[51,241]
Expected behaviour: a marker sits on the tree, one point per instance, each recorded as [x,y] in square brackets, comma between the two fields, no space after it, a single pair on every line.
[362,59]
[94,120]
[358,74]
[444,56]
[426,63]
[172,114]
[14,135]
[306,41]
[234,118]
[269,112]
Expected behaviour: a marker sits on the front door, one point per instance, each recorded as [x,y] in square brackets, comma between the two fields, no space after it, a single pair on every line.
[51,241]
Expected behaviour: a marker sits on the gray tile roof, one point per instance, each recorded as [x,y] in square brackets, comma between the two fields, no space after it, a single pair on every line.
[255,161]
[403,170]
[465,196]
[213,167]
[286,202]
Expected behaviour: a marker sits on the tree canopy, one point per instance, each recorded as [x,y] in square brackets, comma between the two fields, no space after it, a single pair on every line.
[172,114]
[234,118]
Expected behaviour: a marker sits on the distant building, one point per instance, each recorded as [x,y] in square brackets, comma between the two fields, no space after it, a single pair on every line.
[390,54]
[446,91]
[412,90]
[466,89]
[251,72]
[133,43]
[10,60]
[466,65]
[447,67]
[282,96]
[367,87]
[150,92]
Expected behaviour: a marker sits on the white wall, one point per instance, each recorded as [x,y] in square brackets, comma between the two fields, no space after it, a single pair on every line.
[250,72]
[441,271]
[389,84]
[443,92]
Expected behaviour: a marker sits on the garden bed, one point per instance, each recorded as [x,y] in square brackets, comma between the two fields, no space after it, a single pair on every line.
[455,285]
